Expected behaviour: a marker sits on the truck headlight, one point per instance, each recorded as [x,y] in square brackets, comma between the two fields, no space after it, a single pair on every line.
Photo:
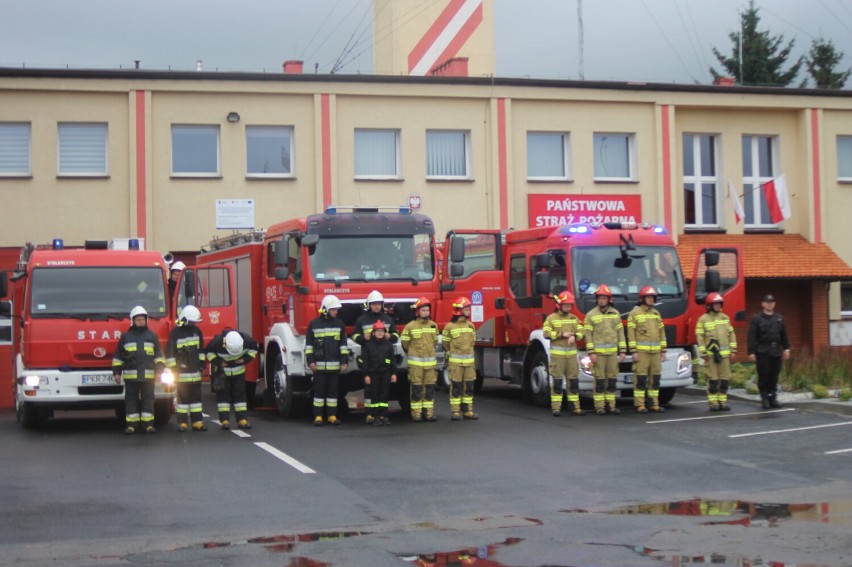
[33,380]
[586,365]
[684,363]
[167,377]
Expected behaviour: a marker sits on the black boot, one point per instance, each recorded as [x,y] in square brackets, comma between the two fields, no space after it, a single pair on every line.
[764,402]
[773,401]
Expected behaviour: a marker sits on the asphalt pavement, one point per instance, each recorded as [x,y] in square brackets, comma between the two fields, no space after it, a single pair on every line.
[799,400]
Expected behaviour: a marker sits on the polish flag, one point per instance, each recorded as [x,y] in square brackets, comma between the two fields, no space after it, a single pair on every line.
[739,213]
[777,199]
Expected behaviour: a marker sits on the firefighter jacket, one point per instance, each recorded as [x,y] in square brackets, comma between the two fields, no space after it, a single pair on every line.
[364,326]
[717,327]
[558,323]
[233,365]
[378,357]
[185,353]
[326,344]
[767,334]
[138,355]
[646,331]
[604,331]
[419,339]
[459,338]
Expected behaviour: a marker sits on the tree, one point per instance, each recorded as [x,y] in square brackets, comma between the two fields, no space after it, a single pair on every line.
[821,62]
[763,56]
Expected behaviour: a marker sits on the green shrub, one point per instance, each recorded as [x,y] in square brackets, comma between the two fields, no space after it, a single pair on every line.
[742,373]
[819,391]
[845,394]
[831,368]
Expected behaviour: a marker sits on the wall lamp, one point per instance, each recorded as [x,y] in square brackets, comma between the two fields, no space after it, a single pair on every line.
[233,117]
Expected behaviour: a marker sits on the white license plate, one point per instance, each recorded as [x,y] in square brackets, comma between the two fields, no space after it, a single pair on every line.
[93,379]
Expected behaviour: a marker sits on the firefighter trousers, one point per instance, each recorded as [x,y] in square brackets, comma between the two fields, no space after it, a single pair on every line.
[422,380]
[562,367]
[326,386]
[139,402]
[768,369]
[462,379]
[189,402]
[233,393]
[380,384]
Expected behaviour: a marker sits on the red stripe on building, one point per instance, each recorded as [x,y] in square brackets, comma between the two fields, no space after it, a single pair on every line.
[667,168]
[433,32]
[141,180]
[502,163]
[817,181]
[325,118]
[456,44]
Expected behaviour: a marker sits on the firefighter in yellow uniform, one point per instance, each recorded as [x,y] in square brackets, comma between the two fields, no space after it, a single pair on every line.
[646,339]
[716,343]
[459,338]
[563,329]
[606,347]
[419,340]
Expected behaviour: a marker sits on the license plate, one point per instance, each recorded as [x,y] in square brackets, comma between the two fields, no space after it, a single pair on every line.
[627,379]
[92,379]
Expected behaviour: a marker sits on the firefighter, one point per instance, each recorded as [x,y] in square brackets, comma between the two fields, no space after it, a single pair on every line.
[138,360]
[419,340]
[186,359]
[229,352]
[363,327]
[459,337]
[379,371]
[768,346]
[564,329]
[327,351]
[175,270]
[717,342]
[646,339]
[606,347]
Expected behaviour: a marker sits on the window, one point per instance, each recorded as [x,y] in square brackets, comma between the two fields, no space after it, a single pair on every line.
[213,287]
[700,180]
[269,151]
[83,150]
[447,154]
[480,252]
[614,157]
[5,322]
[518,275]
[549,156]
[844,158]
[846,299]
[195,151]
[377,154]
[15,149]
[759,166]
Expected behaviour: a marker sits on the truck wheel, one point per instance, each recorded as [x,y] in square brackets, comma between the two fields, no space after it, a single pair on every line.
[28,415]
[163,411]
[536,389]
[666,395]
[282,388]
[480,379]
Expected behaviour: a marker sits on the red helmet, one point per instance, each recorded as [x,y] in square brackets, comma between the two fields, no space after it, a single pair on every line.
[714,298]
[459,304]
[603,289]
[379,326]
[648,290]
[564,297]
[422,302]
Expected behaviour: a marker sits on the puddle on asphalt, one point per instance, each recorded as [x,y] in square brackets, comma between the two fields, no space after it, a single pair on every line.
[482,555]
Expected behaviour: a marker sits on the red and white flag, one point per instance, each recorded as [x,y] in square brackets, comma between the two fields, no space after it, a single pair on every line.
[777,199]
[739,213]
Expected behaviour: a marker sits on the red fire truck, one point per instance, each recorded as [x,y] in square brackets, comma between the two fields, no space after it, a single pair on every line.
[71,305]
[284,272]
[511,279]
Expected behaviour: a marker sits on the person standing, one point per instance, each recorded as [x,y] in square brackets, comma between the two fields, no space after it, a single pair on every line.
[229,352]
[564,329]
[327,352]
[459,338]
[717,342]
[175,270]
[606,347]
[768,346]
[361,335]
[646,339]
[380,371]
[419,340]
[186,359]
[138,360]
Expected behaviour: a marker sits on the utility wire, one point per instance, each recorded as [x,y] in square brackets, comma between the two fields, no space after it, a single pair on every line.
[692,45]
[331,33]
[319,27]
[665,37]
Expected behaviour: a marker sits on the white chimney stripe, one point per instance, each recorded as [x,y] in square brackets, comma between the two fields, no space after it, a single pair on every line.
[445,37]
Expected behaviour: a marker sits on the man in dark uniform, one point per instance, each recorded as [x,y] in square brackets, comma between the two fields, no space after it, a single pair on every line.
[769,346]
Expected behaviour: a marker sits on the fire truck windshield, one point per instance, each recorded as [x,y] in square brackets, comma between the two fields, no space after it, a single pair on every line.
[373,258]
[98,292]
[627,274]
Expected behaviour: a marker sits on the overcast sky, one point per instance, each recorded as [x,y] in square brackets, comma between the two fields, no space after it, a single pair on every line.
[634,40]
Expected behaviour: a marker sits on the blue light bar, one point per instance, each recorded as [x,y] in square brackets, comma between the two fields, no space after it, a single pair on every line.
[133,244]
[58,244]
[660,230]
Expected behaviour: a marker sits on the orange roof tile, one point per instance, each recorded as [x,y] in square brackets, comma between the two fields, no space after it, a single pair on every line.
[787,256]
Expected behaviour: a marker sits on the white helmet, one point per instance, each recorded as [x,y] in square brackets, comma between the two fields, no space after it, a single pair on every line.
[177,267]
[136,311]
[375,297]
[191,313]
[234,343]
[330,302]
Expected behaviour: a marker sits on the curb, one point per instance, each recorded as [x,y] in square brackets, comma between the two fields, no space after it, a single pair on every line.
[799,401]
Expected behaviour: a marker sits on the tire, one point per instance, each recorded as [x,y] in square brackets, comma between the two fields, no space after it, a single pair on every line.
[282,387]
[29,416]
[536,389]
[666,395]
[480,379]
[163,410]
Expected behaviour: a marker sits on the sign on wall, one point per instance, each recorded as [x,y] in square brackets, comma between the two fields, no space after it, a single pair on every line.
[555,210]
[234,213]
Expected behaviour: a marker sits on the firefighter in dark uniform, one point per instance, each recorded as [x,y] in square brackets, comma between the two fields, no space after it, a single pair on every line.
[327,352]
[646,339]
[186,359]
[769,346]
[563,329]
[459,338]
[363,328]
[229,352]
[419,340]
[717,342]
[138,360]
[379,371]
[606,347]
[175,270]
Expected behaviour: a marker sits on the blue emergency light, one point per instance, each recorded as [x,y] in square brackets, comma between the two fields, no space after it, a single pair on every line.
[133,244]
[58,244]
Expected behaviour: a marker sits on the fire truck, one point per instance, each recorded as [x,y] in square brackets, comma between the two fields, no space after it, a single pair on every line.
[511,278]
[284,272]
[71,305]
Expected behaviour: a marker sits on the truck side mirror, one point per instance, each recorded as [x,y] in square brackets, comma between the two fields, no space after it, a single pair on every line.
[711,258]
[542,261]
[457,249]
[4,284]
[281,250]
[282,273]
[456,270]
[712,281]
[541,283]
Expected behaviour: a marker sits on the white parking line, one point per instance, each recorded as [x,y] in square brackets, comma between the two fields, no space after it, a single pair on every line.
[286,458]
[789,430]
[719,416]
[838,451]
[240,433]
